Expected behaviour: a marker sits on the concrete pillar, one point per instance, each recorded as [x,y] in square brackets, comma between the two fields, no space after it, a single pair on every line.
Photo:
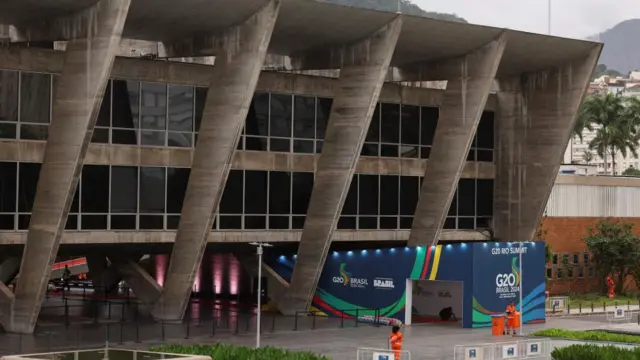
[77,99]
[233,82]
[354,101]
[464,100]
[536,115]
[105,278]
[9,269]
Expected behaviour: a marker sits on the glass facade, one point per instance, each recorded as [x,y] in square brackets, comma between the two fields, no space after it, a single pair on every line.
[154,114]
[150,198]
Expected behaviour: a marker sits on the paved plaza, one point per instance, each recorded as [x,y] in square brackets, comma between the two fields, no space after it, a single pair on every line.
[423,341]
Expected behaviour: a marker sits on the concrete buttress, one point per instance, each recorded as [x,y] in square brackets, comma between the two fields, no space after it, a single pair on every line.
[468,87]
[76,101]
[531,136]
[362,75]
[233,82]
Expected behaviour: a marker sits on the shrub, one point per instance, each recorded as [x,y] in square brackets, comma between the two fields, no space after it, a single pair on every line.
[588,335]
[595,352]
[230,352]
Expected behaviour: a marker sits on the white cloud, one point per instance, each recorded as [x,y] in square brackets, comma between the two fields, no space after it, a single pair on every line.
[570,18]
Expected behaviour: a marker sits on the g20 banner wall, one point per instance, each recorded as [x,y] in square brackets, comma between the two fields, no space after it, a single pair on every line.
[356,283]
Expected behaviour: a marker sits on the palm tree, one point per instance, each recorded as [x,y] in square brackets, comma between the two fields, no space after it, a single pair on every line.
[616,120]
[587,156]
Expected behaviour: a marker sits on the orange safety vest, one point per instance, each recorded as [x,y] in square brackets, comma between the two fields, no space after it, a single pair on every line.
[396,340]
[511,311]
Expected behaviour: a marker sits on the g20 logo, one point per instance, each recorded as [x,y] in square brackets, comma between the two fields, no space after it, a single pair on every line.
[503,280]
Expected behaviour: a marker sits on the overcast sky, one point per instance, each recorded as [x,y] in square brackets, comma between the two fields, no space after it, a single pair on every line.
[570,18]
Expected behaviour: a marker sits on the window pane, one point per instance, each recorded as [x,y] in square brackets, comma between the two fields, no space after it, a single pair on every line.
[23,222]
[302,186]
[370,149]
[390,123]
[303,146]
[280,120]
[153,138]
[279,222]
[29,174]
[255,192]
[152,190]
[258,116]
[256,143]
[367,223]
[304,117]
[8,131]
[100,136]
[373,133]
[347,223]
[231,202]
[410,125]
[126,99]
[181,107]
[453,208]
[322,116]
[279,192]
[389,193]
[466,197]
[350,206]
[95,190]
[153,108]
[72,222]
[180,139]
[8,95]
[8,183]
[297,222]
[104,116]
[6,222]
[35,97]
[123,222]
[485,131]
[389,222]
[428,123]
[124,137]
[151,222]
[255,222]
[279,145]
[94,222]
[368,194]
[34,132]
[177,180]
[485,197]
[230,222]
[408,195]
[124,189]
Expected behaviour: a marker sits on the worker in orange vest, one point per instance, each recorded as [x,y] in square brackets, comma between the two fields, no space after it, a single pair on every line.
[395,340]
[511,317]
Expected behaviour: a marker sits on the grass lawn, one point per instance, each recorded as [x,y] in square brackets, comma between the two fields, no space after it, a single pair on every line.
[587,335]
[586,301]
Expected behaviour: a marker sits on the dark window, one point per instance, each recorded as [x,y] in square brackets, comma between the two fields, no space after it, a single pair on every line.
[181,108]
[230,222]
[8,96]
[453,208]
[104,116]
[428,123]
[35,97]
[408,195]
[256,143]
[297,222]
[279,192]
[94,222]
[123,222]
[177,180]
[367,223]
[124,189]
[258,116]
[125,137]
[368,195]
[485,197]
[201,97]
[303,146]
[95,190]
[466,223]
[174,220]
[373,133]
[255,192]
[322,116]
[410,123]
[302,186]
[72,222]
[280,117]
[255,222]
[304,117]
[449,223]
[8,131]
[347,223]
[389,195]
[75,205]
[100,136]
[466,197]
[23,222]
[388,222]
[151,222]
[390,124]
[152,190]
[279,145]
[279,222]
[8,183]
[485,133]
[126,99]
[34,132]
[406,222]
[179,139]
[231,202]
[153,109]
[549,273]
[350,206]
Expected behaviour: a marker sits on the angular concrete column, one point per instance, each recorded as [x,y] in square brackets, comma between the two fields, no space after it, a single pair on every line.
[77,99]
[234,79]
[536,114]
[143,285]
[354,101]
[9,269]
[105,278]
[468,86]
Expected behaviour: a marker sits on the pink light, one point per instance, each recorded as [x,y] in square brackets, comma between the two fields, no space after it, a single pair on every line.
[234,274]
[217,272]
[198,280]
[161,268]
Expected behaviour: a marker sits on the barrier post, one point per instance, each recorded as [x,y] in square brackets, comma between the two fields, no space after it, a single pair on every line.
[341,318]
[237,324]
[121,332]
[357,316]
[592,306]
[66,312]
[580,307]
[295,322]
[109,310]
[213,324]
[162,324]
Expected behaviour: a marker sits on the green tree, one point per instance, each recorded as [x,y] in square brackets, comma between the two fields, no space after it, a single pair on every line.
[631,171]
[587,156]
[616,120]
[614,249]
